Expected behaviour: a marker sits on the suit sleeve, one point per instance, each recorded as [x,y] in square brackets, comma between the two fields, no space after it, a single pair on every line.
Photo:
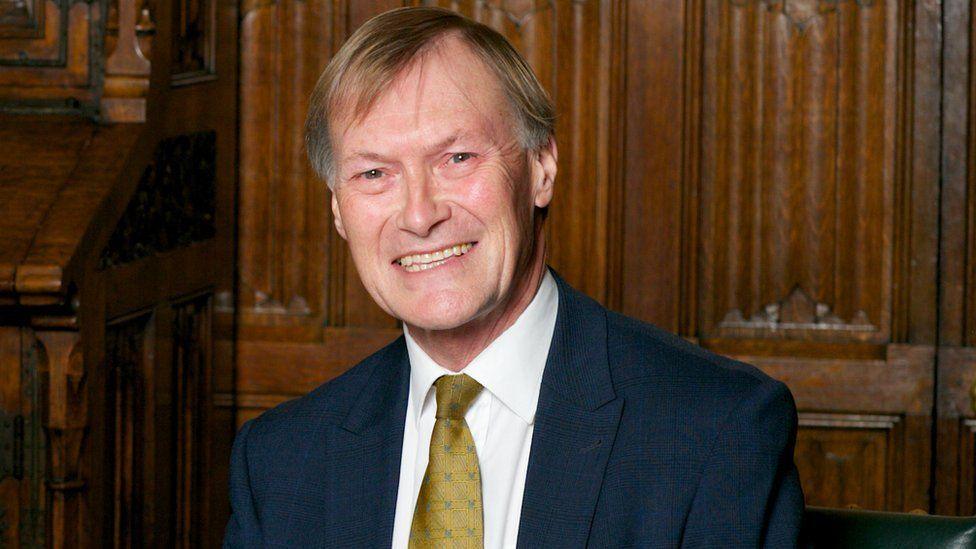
[749,494]
[243,529]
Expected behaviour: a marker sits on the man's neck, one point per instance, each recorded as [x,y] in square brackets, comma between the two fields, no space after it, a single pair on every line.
[456,348]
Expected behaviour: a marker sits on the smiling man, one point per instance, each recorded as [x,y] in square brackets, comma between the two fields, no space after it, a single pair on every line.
[514,411]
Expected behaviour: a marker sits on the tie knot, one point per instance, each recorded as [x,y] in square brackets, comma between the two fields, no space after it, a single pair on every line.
[454,395]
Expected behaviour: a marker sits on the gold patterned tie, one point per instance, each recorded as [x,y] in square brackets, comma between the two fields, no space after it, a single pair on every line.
[448,512]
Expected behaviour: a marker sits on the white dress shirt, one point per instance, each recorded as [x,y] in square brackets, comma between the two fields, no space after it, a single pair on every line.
[500,418]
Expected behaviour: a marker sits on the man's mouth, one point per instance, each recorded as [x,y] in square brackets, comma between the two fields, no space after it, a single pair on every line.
[421,262]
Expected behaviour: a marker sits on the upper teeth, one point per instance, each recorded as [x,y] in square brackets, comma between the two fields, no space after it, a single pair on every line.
[440,255]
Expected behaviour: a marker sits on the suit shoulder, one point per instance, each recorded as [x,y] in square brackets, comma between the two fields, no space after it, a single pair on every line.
[331,400]
[642,353]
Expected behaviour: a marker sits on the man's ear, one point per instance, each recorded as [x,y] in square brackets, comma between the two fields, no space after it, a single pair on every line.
[338,217]
[545,168]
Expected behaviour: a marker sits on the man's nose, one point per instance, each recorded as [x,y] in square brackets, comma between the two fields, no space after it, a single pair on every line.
[422,209]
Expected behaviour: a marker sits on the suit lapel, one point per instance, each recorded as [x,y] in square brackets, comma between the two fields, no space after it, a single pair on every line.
[575,426]
[378,417]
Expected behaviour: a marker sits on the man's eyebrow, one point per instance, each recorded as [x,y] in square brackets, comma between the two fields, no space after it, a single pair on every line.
[434,149]
[367,155]
[445,143]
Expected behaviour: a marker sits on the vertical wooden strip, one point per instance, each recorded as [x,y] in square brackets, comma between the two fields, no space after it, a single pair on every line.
[926,63]
[653,184]
[690,175]
[256,156]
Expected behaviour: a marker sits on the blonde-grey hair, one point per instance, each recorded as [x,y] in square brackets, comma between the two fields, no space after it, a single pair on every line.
[388,44]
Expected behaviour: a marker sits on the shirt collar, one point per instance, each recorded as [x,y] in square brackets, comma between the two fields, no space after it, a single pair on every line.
[510,367]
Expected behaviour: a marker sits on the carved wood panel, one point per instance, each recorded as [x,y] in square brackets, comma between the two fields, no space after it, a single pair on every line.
[285,239]
[160,376]
[174,204]
[130,359]
[955,483]
[192,385]
[800,158]
[46,50]
[846,459]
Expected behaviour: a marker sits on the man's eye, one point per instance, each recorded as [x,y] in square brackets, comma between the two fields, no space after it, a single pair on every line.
[458,158]
[372,174]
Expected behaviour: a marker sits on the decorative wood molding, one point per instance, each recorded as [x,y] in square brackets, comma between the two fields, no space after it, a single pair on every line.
[518,17]
[802,13]
[174,204]
[797,311]
[901,382]
[848,421]
[48,50]
[800,179]
[63,377]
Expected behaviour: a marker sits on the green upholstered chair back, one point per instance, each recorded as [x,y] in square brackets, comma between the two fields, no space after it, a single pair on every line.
[840,528]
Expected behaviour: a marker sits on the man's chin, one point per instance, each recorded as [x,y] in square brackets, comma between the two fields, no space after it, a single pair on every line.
[440,324]
[440,319]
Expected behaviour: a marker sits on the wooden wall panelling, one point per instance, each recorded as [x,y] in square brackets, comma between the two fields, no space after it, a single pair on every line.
[10,389]
[833,449]
[165,402]
[192,388]
[130,355]
[660,157]
[798,170]
[160,376]
[22,490]
[200,54]
[818,218]
[843,396]
[955,485]
[284,238]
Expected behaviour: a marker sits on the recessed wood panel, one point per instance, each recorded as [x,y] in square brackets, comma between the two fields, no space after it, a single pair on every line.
[285,237]
[843,460]
[192,385]
[130,359]
[798,168]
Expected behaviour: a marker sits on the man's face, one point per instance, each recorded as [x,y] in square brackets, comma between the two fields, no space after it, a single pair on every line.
[436,196]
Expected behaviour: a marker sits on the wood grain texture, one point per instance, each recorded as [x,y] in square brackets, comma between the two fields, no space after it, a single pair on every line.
[284,221]
[955,479]
[52,198]
[798,171]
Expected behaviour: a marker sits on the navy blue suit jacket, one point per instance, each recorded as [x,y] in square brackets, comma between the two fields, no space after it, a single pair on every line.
[641,440]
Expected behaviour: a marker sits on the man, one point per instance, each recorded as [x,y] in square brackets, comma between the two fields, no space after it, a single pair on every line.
[514,411]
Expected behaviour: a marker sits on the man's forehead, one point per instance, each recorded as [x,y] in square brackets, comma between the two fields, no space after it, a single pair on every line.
[450,82]
[446,69]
